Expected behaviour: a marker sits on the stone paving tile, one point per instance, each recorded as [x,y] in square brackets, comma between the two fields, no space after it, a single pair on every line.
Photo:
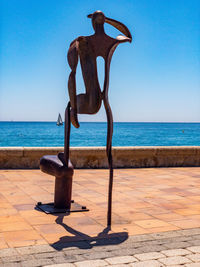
[101,255]
[65,246]
[175,245]
[175,260]
[11,264]
[149,256]
[77,251]
[192,265]
[8,252]
[6,227]
[182,239]
[152,223]
[36,262]
[176,252]
[23,238]
[119,265]
[92,263]
[47,255]
[120,260]
[163,229]
[74,258]
[60,259]
[153,242]
[194,257]
[153,248]
[16,258]
[197,237]
[61,265]
[2,242]
[190,232]
[34,249]
[195,242]
[125,251]
[167,234]
[195,249]
[150,263]
[188,223]
[139,238]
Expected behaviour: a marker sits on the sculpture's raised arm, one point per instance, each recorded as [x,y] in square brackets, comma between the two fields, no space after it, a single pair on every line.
[122,28]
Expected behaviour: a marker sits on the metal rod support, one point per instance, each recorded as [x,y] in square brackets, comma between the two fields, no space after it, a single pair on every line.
[63,192]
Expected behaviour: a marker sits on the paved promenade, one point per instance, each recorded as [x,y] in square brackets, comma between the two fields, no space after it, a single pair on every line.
[174,248]
[156,219]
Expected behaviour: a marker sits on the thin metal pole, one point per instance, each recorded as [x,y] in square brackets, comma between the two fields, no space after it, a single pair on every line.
[67,134]
[109,156]
[109,218]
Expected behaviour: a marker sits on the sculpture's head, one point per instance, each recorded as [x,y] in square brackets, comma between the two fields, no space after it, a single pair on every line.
[98,18]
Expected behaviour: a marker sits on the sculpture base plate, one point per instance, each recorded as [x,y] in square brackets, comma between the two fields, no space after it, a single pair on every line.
[50,209]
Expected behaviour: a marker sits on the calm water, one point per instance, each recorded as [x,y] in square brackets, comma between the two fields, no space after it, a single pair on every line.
[94,134]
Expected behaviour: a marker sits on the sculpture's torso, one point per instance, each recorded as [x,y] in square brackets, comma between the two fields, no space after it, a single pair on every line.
[88,48]
[101,44]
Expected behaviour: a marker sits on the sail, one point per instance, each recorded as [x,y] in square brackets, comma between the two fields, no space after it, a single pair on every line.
[59,120]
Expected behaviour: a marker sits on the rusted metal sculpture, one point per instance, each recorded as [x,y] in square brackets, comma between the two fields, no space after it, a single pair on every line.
[87,49]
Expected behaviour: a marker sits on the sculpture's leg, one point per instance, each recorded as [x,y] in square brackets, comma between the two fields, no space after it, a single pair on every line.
[63,185]
[63,172]
[109,155]
[67,134]
[63,192]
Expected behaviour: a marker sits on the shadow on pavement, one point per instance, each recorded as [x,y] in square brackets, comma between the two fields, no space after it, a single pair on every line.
[83,241]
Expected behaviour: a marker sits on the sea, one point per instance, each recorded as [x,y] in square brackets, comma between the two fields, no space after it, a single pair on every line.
[44,134]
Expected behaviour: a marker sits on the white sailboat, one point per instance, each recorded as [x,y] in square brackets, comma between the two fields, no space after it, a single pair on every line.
[59,120]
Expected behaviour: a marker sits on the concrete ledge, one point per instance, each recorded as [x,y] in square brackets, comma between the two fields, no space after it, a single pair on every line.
[95,157]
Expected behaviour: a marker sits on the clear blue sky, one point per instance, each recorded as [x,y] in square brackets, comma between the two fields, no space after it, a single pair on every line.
[155,78]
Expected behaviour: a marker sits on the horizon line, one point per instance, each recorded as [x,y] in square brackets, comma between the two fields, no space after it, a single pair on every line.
[113,122]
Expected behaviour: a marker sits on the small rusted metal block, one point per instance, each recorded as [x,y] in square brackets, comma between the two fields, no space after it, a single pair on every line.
[53,165]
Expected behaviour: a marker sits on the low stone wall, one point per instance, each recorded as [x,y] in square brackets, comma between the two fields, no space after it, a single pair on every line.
[95,157]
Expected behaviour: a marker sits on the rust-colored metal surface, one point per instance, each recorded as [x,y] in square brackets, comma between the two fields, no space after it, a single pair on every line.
[87,49]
